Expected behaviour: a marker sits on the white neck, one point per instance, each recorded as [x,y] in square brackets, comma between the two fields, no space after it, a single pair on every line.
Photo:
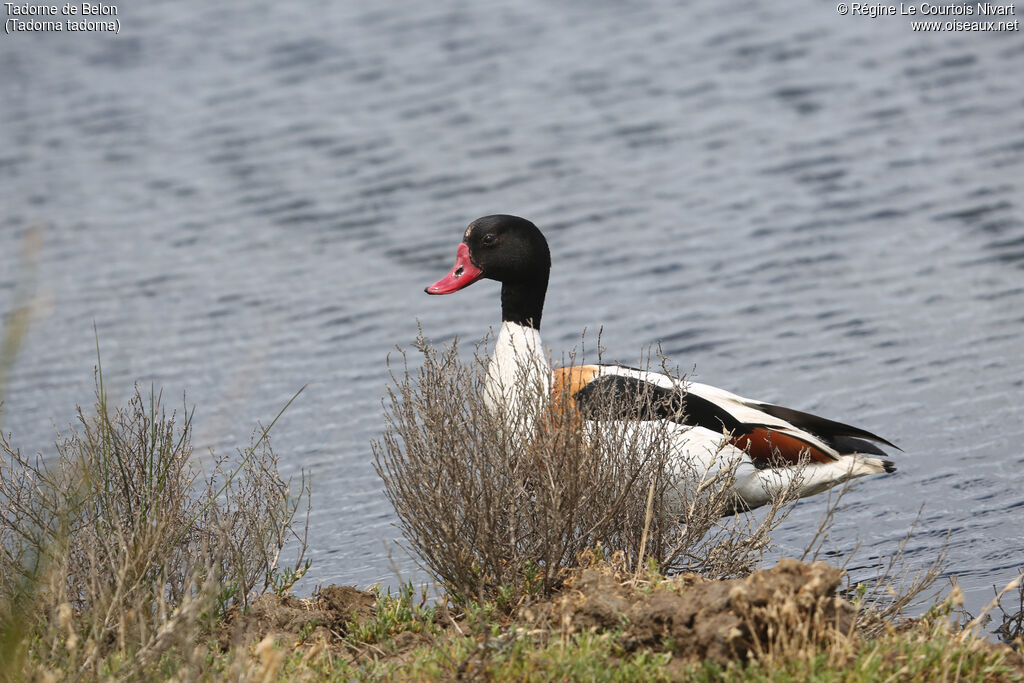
[518,376]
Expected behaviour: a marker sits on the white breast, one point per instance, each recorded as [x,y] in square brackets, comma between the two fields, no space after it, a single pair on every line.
[519,373]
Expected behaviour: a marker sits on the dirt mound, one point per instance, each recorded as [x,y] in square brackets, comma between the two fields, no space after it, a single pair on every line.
[694,617]
[324,617]
[700,618]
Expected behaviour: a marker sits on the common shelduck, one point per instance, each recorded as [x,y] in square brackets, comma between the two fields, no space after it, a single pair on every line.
[765,442]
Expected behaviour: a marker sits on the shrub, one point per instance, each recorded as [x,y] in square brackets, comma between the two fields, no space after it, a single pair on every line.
[117,552]
[493,502]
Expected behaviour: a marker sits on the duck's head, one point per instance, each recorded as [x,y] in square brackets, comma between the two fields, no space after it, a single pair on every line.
[510,250]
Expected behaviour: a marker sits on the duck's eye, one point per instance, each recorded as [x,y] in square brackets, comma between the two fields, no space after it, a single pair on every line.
[489,239]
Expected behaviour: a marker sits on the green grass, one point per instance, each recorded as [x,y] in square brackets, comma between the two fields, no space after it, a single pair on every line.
[394,614]
[581,656]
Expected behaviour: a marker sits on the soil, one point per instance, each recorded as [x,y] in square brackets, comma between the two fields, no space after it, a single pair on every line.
[698,618]
[323,618]
[693,617]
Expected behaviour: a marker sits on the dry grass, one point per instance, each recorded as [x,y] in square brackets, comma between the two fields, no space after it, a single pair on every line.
[117,553]
[932,647]
[501,503]
[899,586]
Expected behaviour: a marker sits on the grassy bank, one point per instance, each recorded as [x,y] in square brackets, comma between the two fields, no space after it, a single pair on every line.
[782,624]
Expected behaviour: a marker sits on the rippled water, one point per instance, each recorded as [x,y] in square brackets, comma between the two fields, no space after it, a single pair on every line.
[816,210]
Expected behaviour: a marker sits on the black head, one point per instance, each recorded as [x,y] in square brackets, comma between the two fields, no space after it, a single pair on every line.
[510,250]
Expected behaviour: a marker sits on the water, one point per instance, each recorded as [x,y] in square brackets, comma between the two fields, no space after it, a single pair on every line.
[816,210]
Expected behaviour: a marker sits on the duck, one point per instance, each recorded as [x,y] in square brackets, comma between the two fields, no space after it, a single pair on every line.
[772,447]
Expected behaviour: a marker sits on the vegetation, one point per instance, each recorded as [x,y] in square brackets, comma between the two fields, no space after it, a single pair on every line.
[116,552]
[798,635]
